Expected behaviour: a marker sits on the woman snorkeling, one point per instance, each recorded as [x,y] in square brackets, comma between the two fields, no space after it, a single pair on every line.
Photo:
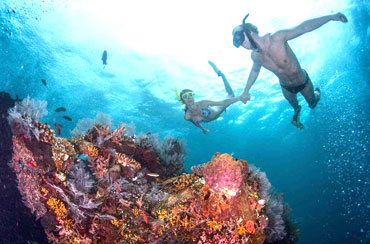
[205,110]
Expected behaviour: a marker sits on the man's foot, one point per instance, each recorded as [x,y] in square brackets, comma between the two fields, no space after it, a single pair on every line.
[218,72]
[295,120]
[317,94]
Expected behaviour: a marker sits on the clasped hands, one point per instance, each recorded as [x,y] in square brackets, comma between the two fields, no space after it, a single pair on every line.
[245,97]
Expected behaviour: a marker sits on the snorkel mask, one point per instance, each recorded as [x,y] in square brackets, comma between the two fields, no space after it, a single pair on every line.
[239,35]
[184,95]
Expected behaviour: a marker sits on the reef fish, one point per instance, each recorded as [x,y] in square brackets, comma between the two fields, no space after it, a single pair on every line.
[61,109]
[58,128]
[43,81]
[144,216]
[152,174]
[32,163]
[104,58]
[67,118]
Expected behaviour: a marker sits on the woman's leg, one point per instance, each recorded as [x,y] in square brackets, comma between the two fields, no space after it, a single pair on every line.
[228,88]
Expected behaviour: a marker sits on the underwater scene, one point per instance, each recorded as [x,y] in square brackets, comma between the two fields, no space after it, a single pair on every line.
[181,122]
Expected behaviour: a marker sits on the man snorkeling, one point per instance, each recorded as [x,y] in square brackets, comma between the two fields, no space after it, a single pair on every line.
[272,52]
[205,110]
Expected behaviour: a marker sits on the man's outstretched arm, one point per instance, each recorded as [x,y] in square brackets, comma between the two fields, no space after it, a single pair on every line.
[308,25]
[256,68]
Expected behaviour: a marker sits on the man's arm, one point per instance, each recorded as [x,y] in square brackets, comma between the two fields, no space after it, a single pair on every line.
[197,124]
[256,68]
[308,25]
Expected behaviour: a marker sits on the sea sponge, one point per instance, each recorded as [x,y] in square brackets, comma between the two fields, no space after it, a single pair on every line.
[225,175]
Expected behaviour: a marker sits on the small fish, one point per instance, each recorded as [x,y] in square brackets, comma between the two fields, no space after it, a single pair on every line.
[60,109]
[32,164]
[67,118]
[58,128]
[152,174]
[145,217]
[207,195]
[104,58]
[43,82]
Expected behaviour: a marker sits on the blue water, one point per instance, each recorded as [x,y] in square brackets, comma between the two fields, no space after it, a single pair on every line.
[322,170]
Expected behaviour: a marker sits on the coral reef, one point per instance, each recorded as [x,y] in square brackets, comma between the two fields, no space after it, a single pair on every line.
[107,187]
[171,152]
[18,224]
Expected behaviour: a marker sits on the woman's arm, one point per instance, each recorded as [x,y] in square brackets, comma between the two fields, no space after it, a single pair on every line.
[226,102]
[197,124]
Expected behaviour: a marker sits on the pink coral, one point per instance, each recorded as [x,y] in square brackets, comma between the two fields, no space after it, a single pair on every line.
[225,175]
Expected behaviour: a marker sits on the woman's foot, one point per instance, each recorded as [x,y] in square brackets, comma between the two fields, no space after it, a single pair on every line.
[218,72]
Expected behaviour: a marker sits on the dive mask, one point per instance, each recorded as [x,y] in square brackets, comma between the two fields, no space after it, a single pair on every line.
[186,95]
[238,38]
[239,35]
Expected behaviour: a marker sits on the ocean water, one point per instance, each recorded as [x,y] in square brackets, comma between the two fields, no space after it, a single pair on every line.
[323,170]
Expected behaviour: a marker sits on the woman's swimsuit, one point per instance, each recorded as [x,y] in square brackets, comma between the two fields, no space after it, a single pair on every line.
[206,112]
[296,89]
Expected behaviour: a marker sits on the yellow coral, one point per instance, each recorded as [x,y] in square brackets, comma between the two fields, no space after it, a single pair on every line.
[68,224]
[214,225]
[254,194]
[162,214]
[57,206]
[44,190]
[92,151]
[241,230]
[115,222]
[135,211]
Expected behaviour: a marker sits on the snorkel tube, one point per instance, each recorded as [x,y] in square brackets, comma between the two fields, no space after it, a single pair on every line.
[248,33]
[178,96]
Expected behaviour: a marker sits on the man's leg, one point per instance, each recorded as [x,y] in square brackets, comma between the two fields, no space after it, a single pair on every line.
[312,96]
[292,99]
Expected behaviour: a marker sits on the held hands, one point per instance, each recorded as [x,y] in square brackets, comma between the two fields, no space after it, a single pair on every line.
[340,17]
[245,97]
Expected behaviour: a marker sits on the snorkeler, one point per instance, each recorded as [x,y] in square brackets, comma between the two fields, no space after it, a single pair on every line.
[272,52]
[205,110]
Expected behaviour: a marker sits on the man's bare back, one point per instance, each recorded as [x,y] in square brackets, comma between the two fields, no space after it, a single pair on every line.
[274,53]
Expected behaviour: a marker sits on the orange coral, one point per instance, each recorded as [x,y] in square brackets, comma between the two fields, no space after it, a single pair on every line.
[92,151]
[250,227]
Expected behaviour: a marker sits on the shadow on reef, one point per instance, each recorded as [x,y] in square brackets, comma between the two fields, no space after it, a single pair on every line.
[17,224]
[104,186]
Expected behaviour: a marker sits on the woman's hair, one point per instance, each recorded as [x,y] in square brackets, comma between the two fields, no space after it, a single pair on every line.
[184,91]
